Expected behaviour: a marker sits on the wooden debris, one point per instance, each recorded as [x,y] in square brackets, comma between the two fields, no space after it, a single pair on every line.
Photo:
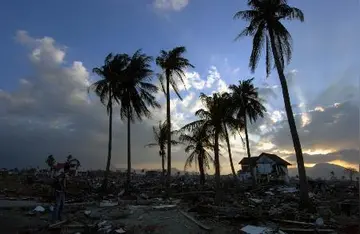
[203,226]
[55,225]
[192,193]
[294,222]
[309,230]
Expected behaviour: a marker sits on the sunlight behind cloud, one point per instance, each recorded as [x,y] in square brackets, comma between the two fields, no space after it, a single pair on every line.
[305,119]
[344,164]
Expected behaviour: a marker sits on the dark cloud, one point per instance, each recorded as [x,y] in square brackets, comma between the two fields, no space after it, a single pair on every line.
[51,112]
[336,127]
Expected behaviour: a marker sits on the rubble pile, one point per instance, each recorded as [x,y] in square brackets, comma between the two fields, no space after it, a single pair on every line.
[190,208]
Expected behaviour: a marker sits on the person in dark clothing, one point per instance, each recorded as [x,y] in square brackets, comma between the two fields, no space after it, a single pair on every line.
[60,188]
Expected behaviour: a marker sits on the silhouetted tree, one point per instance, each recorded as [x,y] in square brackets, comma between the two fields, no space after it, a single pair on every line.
[50,161]
[265,27]
[134,93]
[173,65]
[160,137]
[198,143]
[351,172]
[332,175]
[212,120]
[247,107]
[105,89]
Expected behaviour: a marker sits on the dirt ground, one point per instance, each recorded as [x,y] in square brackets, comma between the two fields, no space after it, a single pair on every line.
[13,221]
[137,219]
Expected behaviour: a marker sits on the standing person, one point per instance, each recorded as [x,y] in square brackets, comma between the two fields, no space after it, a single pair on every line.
[60,188]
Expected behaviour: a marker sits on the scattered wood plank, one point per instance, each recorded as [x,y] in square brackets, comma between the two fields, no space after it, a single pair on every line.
[80,204]
[300,223]
[192,193]
[293,222]
[55,225]
[79,225]
[309,230]
[203,226]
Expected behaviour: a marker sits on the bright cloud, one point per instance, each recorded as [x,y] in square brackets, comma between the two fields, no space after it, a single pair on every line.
[174,5]
[51,108]
[213,75]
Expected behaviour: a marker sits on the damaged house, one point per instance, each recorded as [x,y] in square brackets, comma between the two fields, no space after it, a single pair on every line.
[266,166]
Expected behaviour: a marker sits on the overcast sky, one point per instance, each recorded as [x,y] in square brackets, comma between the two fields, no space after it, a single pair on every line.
[48,49]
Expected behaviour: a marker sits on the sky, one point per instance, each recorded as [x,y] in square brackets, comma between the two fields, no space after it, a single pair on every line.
[48,50]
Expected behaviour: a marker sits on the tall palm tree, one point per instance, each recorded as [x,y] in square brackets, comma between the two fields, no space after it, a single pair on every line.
[105,89]
[50,161]
[198,143]
[212,120]
[227,140]
[173,65]
[160,137]
[265,27]
[228,108]
[248,107]
[135,94]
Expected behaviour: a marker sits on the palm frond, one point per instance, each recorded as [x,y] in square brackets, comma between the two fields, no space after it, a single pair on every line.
[191,158]
[258,42]
[264,16]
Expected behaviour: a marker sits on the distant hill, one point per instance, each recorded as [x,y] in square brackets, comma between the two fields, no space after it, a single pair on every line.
[322,170]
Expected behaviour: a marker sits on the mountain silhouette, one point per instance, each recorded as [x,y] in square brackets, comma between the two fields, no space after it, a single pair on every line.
[322,170]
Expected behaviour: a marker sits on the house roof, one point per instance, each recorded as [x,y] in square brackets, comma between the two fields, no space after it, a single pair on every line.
[253,160]
[247,160]
[276,159]
[59,166]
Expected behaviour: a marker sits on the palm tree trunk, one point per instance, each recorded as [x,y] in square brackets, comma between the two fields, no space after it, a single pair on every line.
[106,175]
[201,169]
[304,196]
[229,151]
[253,175]
[128,177]
[162,166]
[217,168]
[168,122]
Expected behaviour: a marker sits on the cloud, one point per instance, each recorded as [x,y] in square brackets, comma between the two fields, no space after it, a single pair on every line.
[192,80]
[335,127]
[44,50]
[222,86]
[170,5]
[213,75]
[50,112]
[350,156]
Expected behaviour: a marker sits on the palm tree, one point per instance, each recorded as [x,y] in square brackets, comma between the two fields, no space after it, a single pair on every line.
[228,104]
[351,172]
[197,147]
[160,137]
[73,162]
[212,120]
[173,65]
[135,94]
[69,157]
[265,27]
[50,161]
[248,107]
[105,89]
